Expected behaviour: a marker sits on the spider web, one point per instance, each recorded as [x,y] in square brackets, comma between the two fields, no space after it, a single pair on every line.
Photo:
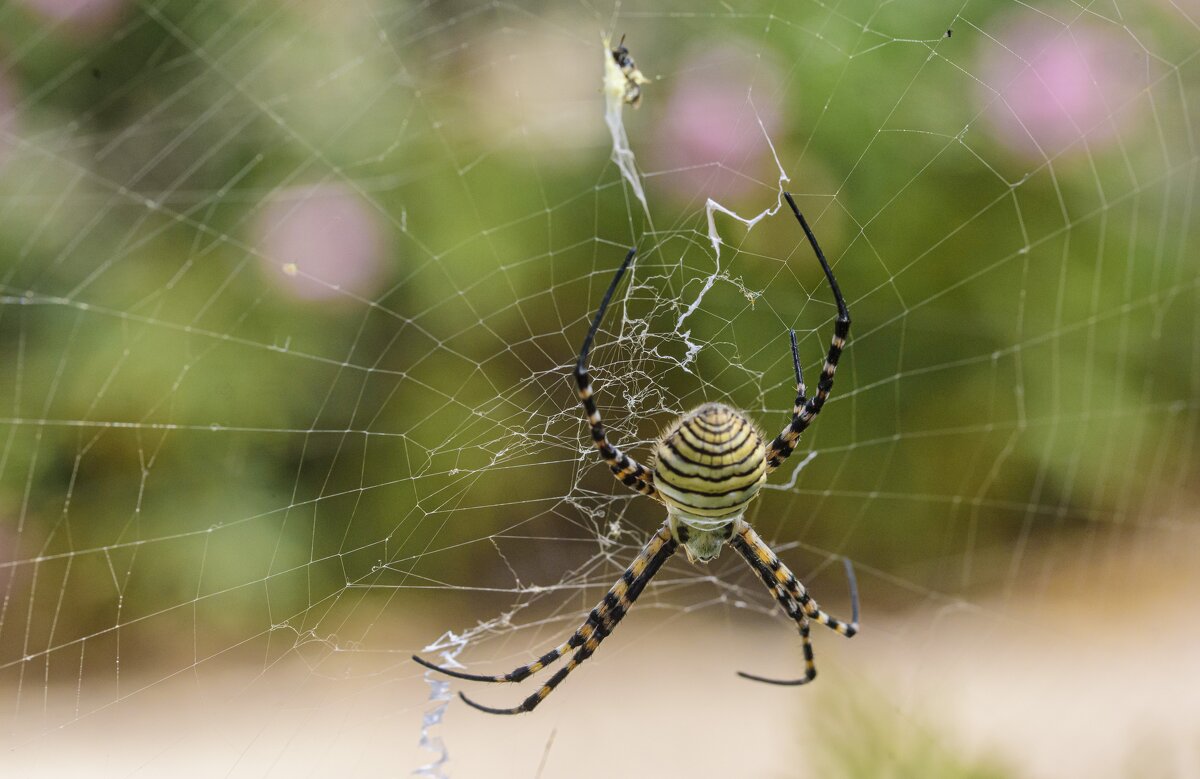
[289,298]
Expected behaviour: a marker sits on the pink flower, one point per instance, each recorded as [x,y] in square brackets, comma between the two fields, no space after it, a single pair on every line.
[1048,87]
[321,242]
[79,15]
[709,140]
[8,117]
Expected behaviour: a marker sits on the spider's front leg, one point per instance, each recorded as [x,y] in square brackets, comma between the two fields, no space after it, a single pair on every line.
[806,409]
[626,470]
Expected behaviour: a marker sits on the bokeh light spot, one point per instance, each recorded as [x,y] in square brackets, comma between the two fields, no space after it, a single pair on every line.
[326,240]
[79,15]
[1048,88]
[8,118]
[709,135]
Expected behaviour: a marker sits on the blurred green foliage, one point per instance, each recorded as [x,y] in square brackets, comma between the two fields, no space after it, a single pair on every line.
[859,738]
[1024,356]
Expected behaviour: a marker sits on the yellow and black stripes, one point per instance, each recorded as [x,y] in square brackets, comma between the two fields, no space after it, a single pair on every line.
[578,638]
[627,471]
[806,409]
[772,570]
[602,620]
[810,665]
[792,597]
[794,612]
[711,463]
[708,467]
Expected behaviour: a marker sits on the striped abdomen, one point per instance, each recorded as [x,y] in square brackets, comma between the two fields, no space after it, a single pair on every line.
[710,463]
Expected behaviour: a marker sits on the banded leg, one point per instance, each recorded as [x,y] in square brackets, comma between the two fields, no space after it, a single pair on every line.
[810,667]
[612,610]
[523,672]
[602,620]
[773,572]
[793,610]
[797,407]
[619,596]
[806,410]
[626,470]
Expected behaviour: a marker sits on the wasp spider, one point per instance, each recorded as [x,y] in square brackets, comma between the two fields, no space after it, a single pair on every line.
[708,467]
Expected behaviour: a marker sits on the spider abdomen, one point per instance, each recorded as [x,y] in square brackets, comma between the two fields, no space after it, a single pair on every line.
[710,463]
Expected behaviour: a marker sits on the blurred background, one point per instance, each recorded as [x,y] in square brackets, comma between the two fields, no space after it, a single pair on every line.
[289,297]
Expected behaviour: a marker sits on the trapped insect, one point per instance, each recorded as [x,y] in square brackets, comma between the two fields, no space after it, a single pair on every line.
[633,77]
[708,467]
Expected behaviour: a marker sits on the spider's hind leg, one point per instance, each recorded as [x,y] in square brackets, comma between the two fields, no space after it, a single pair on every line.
[810,665]
[792,596]
[599,624]
[523,672]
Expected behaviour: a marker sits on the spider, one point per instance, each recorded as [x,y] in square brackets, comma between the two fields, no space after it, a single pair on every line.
[708,467]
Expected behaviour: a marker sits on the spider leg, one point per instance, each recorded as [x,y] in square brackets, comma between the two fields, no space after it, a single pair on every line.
[793,610]
[521,673]
[792,597]
[626,470]
[810,668]
[602,620]
[806,409]
[772,570]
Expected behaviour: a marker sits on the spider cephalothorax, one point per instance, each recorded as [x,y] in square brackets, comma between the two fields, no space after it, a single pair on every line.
[708,467]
